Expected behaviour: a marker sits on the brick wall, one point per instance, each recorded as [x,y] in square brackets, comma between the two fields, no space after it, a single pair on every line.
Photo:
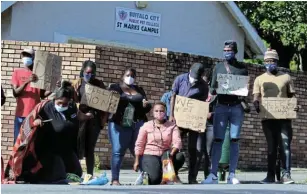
[253,151]
[155,73]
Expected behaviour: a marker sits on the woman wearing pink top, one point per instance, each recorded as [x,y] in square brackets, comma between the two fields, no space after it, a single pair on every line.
[157,139]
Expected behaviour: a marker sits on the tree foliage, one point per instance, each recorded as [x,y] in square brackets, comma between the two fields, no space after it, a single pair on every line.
[283,24]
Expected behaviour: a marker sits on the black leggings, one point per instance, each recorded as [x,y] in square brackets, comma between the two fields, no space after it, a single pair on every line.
[153,166]
[278,132]
[91,136]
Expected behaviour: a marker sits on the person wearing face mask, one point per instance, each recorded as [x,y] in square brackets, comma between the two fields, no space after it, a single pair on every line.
[274,83]
[228,110]
[89,129]
[124,125]
[191,85]
[26,96]
[157,140]
[49,137]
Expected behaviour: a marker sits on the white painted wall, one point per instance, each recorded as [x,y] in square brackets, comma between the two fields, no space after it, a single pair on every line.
[192,27]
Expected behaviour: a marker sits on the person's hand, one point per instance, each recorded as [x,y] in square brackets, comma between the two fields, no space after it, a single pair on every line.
[172,119]
[89,115]
[58,83]
[145,103]
[209,115]
[257,106]
[296,109]
[32,78]
[136,166]
[37,122]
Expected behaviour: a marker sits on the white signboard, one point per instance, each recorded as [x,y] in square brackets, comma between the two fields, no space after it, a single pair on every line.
[135,21]
[232,84]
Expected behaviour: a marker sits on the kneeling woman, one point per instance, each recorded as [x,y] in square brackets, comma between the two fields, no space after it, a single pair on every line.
[156,139]
[45,150]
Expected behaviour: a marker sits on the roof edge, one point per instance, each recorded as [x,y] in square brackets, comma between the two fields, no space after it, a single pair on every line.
[6,4]
[251,33]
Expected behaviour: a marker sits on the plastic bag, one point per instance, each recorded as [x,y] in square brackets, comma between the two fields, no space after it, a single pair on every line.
[169,175]
[102,180]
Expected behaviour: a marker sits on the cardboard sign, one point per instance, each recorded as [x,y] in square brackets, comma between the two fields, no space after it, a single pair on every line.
[100,99]
[278,108]
[48,68]
[232,84]
[191,114]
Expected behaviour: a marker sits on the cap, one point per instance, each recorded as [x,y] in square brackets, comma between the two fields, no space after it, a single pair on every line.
[28,51]
[271,54]
[197,70]
[231,44]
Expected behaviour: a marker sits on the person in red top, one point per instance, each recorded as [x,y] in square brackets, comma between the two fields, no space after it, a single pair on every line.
[26,96]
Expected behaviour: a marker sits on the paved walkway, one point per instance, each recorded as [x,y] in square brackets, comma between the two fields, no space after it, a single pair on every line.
[299,175]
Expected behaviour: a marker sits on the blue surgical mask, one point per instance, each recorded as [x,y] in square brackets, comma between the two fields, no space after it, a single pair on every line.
[60,108]
[229,55]
[87,76]
[272,68]
[27,61]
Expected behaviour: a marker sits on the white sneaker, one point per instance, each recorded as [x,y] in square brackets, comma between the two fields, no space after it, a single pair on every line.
[232,179]
[211,179]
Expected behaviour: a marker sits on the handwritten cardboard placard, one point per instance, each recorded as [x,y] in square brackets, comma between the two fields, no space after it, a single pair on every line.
[191,114]
[232,84]
[48,68]
[278,108]
[100,99]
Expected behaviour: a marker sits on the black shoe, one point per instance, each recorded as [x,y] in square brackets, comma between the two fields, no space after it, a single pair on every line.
[286,179]
[193,182]
[268,180]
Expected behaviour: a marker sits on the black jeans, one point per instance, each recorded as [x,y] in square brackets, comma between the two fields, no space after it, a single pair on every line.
[278,132]
[153,166]
[196,149]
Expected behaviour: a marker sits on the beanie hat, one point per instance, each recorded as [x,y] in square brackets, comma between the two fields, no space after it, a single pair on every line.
[271,54]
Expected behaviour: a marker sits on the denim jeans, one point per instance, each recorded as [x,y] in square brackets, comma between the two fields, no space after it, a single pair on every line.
[208,140]
[226,115]
[121,138]
[17,124]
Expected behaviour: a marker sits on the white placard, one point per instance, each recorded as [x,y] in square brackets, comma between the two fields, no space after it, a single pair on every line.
[232,84]
[135,21]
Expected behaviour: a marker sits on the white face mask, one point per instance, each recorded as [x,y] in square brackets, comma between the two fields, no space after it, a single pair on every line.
[60,108]
[27,61]
[129,80]
[192,80]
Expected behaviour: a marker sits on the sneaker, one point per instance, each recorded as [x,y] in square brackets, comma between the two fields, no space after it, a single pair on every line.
[267,181]
[232,179]
[211,179]
[286,179]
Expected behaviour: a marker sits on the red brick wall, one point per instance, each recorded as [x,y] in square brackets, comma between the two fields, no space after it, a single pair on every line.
[155,72]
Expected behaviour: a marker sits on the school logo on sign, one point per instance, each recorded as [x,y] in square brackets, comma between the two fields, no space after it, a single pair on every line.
[122,15]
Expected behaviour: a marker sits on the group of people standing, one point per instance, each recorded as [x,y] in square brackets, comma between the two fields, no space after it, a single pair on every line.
[50,136]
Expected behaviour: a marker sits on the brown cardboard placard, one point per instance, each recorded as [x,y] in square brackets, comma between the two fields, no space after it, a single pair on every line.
[278,108]
[48,68]
[191,114]
[100,99]
[232,84]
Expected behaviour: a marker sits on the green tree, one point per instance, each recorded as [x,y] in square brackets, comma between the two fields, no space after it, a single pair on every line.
[282,24]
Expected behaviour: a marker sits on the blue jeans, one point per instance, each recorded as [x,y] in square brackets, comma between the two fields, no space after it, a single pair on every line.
[224,115]
[121,138]
[17,124]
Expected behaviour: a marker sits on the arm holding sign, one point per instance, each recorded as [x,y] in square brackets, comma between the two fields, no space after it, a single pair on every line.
[257,95]
[291,91]
[175,90]
[214,84]
[17,90]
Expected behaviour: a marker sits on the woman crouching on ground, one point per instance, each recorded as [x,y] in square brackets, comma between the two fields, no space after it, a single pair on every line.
[156,139]
[45,150]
